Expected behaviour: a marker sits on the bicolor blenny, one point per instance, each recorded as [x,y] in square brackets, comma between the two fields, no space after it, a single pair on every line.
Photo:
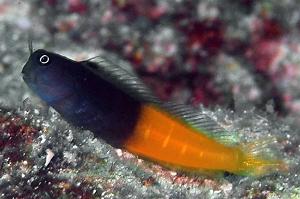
[117,107]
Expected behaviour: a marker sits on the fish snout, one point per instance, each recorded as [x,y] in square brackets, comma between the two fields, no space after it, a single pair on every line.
[27,73]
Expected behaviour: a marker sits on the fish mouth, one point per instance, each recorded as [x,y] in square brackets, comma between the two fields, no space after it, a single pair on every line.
[28,78]
[26,73]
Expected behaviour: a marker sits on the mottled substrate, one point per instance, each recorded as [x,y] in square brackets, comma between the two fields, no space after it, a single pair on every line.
[78,164]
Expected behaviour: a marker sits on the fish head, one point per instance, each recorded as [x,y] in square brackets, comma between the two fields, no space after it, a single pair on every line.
[48,75]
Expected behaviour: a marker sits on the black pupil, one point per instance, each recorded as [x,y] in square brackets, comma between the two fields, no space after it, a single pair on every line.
[44,59]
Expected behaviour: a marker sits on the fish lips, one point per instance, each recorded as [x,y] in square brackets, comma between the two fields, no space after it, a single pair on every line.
[28,76]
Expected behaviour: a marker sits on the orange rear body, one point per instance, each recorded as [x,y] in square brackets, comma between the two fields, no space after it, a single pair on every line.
[168,140]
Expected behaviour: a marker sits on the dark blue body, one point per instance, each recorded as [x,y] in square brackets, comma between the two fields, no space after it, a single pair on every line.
[82,97]
[99,106]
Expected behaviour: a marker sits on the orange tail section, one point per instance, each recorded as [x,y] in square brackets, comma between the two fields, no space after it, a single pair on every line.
[166,139]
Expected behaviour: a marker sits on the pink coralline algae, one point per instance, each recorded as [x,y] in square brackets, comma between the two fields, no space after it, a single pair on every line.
[77,6]
[266,43]
[131,9]
[204,38]
[14,135]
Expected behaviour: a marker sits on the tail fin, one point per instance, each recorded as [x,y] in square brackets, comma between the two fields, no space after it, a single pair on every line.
[255,161]
[257,166]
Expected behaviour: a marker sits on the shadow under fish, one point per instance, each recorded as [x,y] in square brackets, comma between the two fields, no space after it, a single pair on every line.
[117,107]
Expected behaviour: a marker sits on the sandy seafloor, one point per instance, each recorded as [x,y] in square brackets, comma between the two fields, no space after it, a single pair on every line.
[80,166]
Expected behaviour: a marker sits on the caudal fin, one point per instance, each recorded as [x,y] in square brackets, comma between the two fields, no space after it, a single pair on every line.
[256,161]
[257,166]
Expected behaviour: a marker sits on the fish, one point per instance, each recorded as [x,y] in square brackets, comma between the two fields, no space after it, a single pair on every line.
[111,101]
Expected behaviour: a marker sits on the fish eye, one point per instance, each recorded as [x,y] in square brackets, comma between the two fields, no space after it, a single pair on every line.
[44,59]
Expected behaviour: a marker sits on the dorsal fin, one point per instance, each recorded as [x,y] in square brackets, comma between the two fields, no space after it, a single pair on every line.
[122,77]
[201,121]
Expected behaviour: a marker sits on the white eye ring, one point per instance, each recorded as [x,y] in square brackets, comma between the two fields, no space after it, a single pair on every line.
[44,59]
